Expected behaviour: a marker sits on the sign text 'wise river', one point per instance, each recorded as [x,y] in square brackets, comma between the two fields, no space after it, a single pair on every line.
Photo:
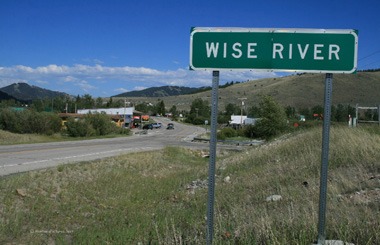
[291,50]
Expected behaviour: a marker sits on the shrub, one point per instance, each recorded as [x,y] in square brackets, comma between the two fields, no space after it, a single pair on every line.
[220,136]
[199,121]
[39,122]
[273,119]
[227,133]
[28,121]
[101,123]
[79,128]
[240,132]
[9,121]
[250,131]
[93,125]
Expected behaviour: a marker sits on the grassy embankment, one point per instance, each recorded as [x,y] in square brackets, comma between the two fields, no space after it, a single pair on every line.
[144,198]
[8,138]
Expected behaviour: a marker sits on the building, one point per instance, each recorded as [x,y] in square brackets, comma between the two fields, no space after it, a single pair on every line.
[109,111]
[123,117]
[239,121]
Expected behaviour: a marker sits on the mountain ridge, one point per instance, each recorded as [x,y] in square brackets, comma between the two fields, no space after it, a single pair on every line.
[304,90]
[162,91]
[299,90]
[5,96]
[25,92]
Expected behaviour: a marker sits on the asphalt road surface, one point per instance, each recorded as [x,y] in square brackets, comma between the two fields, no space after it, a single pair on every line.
[26,157]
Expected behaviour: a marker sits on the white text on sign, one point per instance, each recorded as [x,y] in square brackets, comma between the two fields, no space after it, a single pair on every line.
[280,51]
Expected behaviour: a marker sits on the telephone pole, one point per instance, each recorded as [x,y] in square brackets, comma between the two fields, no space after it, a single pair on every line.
[241,110]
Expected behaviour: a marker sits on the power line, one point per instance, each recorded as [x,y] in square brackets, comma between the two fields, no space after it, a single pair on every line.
[378,51]
[377,61]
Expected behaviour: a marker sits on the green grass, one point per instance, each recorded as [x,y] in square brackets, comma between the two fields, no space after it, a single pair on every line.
[8,138]
[144,197]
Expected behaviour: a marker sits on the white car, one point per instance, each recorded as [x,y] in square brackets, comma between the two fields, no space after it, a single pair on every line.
[156,125]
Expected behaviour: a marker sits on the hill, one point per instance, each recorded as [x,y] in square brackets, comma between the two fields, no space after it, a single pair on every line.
[24,91]
[163,91]
[5,96]
[299,91]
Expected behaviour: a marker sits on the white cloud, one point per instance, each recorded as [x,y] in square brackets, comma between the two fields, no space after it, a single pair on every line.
[42,82]
[85,78]
[93,61]
[85,86]
[139,88]
[7,81]
[69,79]
[121,90]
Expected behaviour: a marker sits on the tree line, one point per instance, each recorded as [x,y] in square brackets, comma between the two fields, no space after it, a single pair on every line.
[41,116]
[67,104]
[48,123]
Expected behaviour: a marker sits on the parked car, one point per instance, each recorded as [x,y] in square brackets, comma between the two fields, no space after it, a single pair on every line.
[156,125]
[148,126]
[170,126]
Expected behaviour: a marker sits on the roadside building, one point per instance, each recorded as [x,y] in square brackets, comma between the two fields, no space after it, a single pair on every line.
[123,117]
[240,121]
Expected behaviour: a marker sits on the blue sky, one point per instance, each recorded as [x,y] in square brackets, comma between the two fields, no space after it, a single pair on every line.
[104,48]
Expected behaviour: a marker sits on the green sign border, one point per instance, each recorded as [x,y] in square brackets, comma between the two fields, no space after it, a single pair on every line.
[223,35]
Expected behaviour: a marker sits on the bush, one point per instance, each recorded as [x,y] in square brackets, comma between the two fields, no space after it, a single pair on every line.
[229,132]
[79,128]
[273,120]
[32,122]
[220,136]
[93,125]
[240,132]
[250,131]
[39,122]
[28,121]
[226,133]
[101,123]
[9,121]
[197,120]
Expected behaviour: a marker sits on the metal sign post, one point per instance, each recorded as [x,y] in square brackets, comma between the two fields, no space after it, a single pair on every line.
[289,50]
[211,170]
[325,160]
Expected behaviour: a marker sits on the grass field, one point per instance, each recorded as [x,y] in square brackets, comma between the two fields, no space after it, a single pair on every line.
[8,138]
[160,197]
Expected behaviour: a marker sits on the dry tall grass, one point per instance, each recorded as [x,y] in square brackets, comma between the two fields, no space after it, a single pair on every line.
[291,169]
[8,138]
[158,197]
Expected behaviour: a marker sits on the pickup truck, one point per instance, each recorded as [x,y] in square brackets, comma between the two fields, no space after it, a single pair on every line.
[156,125]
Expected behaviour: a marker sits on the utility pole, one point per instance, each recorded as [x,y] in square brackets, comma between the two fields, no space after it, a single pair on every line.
[125,108]
[241,110]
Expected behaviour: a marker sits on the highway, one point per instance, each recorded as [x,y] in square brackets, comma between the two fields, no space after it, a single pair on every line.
[26,157]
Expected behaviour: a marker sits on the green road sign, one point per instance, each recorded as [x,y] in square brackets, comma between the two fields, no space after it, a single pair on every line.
[293,50]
